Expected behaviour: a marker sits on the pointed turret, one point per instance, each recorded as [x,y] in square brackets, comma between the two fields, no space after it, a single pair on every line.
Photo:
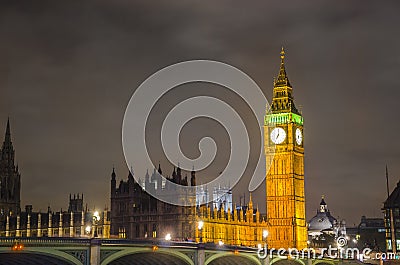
[185,181]
[113,175]
[10,179]
[323,207]
[282,79]
[193,178]
[283,98]
[251,202]
[147,183]
[159,169]
[131,181]
[173,176]
[113,182]
[8,131]
[7,149]
[179,175]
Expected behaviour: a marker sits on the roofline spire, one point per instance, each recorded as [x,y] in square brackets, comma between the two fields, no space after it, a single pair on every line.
[8,130]
[159,168]
[282,79]
[387,182]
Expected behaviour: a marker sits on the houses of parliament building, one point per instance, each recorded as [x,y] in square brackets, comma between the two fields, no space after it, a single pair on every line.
[135,214]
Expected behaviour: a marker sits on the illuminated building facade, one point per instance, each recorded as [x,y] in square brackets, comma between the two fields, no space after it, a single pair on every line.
[284,149]
[135,214]
[76,222]
[243,226]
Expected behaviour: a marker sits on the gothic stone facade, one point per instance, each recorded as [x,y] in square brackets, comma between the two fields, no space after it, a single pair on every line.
[137,215]
[75,222]
[10,178]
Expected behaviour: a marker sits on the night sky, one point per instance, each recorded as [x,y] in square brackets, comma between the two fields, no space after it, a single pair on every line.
[69,68]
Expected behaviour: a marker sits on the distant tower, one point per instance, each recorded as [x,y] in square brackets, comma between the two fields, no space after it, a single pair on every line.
[174,178]
[10,178]
[283,142]
[159,178]
[193,178]
[75,203]
[323,207]
[178,175]
[113,182]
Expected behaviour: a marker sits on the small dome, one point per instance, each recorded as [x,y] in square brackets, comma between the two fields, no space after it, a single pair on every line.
[322,221]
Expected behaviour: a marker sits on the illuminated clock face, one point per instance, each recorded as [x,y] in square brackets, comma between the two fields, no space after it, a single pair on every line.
[278,135]
[299,136]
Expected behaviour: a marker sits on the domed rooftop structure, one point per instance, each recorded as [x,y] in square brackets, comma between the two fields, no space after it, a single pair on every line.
[323,221]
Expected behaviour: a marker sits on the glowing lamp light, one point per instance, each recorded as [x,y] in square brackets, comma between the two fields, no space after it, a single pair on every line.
[17,247]
[220,243]
[236,252]
[96,216]
[168,237]
[88,229]
[154,248]
[201,224]
[265,233]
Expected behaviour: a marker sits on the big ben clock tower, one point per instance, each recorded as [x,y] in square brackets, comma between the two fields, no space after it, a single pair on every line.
[284,149]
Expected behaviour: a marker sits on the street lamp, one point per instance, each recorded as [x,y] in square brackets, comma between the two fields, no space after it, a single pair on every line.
[88,229]
[96,219]
[168,237]
[265,236]
[201,223]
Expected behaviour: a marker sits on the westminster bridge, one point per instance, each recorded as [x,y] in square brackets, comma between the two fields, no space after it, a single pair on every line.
[85,251]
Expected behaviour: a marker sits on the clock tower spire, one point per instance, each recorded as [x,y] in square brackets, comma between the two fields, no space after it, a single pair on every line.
[283,93]
[284,149]
[282,77]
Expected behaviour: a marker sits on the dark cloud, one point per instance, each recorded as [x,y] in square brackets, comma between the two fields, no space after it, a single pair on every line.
[67,70]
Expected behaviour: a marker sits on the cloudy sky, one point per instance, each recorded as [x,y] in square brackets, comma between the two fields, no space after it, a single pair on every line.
[68,70]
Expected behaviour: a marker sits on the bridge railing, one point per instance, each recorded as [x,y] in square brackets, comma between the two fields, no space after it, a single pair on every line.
[29,241]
